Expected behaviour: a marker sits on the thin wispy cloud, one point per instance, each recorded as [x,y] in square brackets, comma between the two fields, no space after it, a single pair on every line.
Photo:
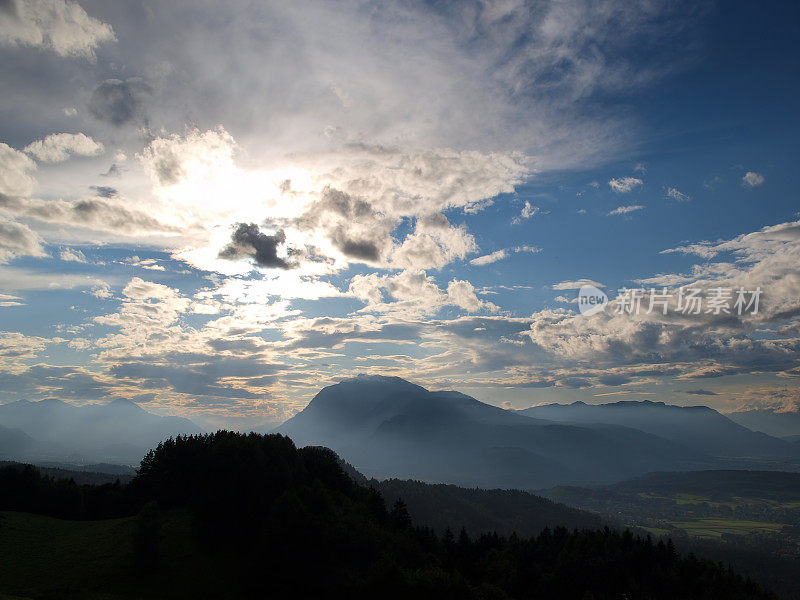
[677,195]
[498,255]
[625,210]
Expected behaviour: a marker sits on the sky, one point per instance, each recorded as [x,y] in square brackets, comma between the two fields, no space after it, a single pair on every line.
[215,210]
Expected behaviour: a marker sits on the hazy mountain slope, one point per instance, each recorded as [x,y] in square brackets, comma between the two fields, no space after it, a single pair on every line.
[15,442]
[698,427]
[779,424]
[352,410]
[119,430]
[388,427]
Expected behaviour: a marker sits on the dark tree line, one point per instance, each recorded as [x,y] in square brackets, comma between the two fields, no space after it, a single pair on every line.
[24,488]
[293,524]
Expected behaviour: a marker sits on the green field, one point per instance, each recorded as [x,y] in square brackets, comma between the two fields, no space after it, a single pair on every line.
[42,557]
[714,528]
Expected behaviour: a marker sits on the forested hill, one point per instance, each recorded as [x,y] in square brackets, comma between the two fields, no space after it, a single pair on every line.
[265,517]
[443,506]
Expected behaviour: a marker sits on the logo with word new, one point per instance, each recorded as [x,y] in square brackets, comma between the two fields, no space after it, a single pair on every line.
[591,300]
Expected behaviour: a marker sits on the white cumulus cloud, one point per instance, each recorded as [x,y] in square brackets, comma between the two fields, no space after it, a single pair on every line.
[752,179]
[57,147]
[15,168]
[57,25]
[623,185]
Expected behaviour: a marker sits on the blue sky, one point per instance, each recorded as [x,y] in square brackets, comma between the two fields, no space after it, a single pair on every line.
[216,211]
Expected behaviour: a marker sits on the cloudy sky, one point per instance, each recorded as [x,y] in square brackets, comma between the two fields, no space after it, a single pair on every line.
[216,211]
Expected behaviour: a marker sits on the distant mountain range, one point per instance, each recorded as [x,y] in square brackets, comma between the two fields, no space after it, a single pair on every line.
[785,424]
[390,428]
[699,428]
[119,431]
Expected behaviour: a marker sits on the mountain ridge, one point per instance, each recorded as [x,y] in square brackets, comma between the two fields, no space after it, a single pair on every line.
[118,431]
[700,428]
[387,427]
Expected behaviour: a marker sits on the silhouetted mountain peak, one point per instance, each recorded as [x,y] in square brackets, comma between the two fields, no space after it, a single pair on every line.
[123,404]
[50,402]
[375,382]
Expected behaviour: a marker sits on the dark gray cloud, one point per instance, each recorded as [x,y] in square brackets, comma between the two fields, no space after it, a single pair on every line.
[613,379]
[247,241]
[104,191]
[536,383]
[701,393]
[203,379]
[107,214]
[576,382]
[352,225]
[344,204]
[63,381]
[328,332]
[118,101]
[9,8]
[17,238]
[363,249]
[113,171]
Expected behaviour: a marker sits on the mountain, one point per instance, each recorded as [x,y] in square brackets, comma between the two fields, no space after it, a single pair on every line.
[15,442]
[770,421]
[700,428]
[118,431]
[390,428]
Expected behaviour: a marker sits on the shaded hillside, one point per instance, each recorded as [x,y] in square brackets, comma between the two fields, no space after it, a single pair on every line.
[266,517]
[389,428]
[697,427]
[442,506]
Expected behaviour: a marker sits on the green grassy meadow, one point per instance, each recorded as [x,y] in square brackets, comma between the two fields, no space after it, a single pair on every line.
[43,557]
